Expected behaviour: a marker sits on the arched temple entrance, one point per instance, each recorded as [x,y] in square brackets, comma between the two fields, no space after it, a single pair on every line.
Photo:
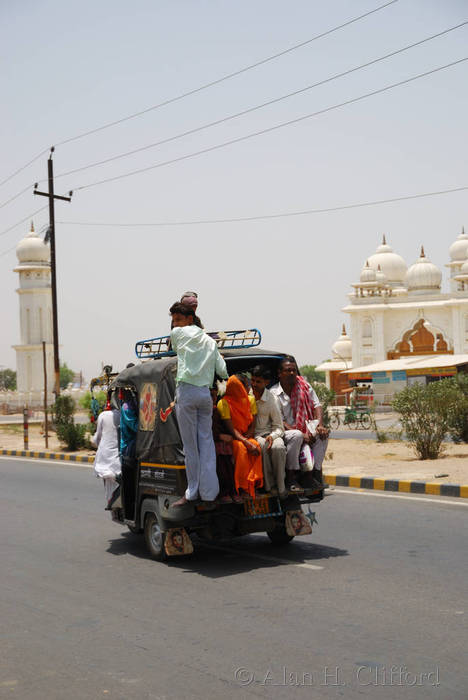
[419,340]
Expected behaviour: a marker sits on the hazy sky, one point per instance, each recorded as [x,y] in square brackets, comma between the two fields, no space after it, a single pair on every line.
[69,68]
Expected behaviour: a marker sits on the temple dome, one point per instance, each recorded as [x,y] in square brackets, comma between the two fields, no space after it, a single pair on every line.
[368,274]
[391,264]
[342,348]
[32,249]
[459,249]
[380,276]
[423,275]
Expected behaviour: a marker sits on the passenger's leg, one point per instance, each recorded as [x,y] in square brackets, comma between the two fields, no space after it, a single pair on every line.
[186,409]
[268,479]
[293,440]
[318,450]
[209,485]
[277,456]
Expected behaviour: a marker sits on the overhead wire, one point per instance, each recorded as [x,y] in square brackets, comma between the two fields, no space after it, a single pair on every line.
[270,129]
[18,223]
[18,194]
[278,215]
[23,167]
[200,88]
[228,76]
[262,105]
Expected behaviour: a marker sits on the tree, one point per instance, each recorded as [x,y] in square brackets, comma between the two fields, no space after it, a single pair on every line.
[74,436]
[425,412]
[66,375]
[7,380]
[311,374]
[325,396]
[458,419]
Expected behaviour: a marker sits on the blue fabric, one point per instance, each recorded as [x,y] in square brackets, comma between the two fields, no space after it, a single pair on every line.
[128,430]
[194,408]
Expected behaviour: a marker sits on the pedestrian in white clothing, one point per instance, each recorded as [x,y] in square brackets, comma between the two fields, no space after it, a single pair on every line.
[107,461]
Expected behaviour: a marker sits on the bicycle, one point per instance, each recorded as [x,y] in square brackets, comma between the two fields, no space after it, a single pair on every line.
[353,418]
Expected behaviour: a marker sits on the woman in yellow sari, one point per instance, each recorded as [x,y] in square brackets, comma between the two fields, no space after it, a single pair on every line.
[238,411]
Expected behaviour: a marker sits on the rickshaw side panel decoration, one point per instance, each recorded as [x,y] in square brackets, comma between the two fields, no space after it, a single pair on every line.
[148,401]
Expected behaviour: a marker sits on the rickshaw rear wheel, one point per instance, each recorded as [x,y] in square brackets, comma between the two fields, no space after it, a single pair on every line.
[135,530]
[279,536]
[155,538]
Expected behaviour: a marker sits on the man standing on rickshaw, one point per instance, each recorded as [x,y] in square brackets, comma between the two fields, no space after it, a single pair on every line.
[198,361]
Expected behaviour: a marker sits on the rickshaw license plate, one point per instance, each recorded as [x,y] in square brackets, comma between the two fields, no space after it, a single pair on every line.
[260,506]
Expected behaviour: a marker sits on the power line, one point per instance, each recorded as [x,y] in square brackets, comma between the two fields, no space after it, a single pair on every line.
[228,76]
[23,167]
[8,250]
[264,104]
[18,194]
[18,223]
[279,215]
[201,87]
[271,128]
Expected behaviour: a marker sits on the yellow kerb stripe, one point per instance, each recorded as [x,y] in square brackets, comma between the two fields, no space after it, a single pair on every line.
[355,481]
[330,479]
[404,486]
[163,466]
[463,491]
[434,489]
[379,484]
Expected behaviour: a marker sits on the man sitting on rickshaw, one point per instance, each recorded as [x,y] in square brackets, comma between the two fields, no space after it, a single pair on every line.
[299,406]
[269,432]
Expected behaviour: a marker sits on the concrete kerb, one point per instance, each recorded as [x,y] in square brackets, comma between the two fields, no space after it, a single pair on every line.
[44,454]
[397,485]
[357,482]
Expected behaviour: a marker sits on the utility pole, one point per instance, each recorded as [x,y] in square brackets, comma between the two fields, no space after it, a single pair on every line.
[53,277]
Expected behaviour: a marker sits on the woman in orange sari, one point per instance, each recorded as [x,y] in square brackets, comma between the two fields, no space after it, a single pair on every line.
[238,411]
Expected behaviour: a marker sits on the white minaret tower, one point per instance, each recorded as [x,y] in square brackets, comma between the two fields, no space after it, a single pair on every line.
[35,303]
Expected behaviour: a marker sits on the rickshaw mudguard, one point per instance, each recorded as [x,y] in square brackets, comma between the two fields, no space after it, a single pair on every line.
[167,517]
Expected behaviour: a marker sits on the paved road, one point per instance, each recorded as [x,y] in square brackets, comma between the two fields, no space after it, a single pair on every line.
[381,583]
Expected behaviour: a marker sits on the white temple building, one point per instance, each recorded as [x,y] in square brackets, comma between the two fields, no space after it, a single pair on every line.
[403,328]
[35,306]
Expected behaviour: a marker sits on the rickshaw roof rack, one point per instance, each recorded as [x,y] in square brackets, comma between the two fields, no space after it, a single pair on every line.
[155,348]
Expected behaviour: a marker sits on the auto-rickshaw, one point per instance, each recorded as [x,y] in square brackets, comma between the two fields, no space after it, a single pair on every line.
[154,476]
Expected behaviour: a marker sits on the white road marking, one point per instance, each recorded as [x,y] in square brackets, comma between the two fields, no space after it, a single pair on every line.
[58,462]
[264,557]
[355,492]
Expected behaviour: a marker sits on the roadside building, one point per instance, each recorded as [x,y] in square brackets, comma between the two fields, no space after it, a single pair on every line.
[403,327]
[35,309]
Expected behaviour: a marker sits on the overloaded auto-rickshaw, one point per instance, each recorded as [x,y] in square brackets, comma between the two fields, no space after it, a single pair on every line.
[154,476]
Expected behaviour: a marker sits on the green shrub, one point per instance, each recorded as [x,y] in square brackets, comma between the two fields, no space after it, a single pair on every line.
[63,410]
[381,435]
[458,419]
[85,401]
[74,436]
[425,412]
[325,396]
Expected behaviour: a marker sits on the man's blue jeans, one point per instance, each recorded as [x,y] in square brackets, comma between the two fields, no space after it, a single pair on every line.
[194,409]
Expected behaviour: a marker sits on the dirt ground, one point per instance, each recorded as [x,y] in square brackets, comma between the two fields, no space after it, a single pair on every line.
[390,460]
[396,460]
[11,438]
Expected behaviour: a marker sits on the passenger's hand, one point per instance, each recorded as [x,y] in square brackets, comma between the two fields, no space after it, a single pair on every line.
[225,438]
[253,449]
[322,432]
[269,442]
[306,436]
